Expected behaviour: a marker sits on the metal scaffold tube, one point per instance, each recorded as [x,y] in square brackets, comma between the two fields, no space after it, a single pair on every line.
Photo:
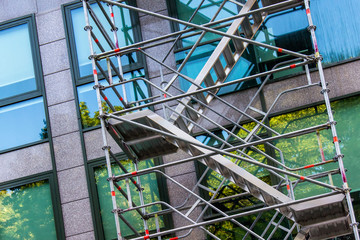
[141,133]
[332,122]
[88,29]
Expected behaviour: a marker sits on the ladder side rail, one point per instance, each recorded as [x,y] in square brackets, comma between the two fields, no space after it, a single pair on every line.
[102,122]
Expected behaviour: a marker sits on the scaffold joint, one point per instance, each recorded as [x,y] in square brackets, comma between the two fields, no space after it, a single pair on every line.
[325,90]
[106,147]
[87,27]
[332,122]
[309,28]
[103,116]
[99,86]
[354,224]
[114,29]
[336,158]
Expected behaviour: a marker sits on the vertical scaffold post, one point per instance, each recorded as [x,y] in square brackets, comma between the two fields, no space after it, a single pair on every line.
[325,91]
[102,121]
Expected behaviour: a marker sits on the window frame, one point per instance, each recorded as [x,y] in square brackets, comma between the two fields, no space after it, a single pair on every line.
[35,50]
[39,77]
[55,198]
[70,38]
[95,203]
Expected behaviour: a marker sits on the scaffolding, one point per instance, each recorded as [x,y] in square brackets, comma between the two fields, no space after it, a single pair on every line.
[143,134]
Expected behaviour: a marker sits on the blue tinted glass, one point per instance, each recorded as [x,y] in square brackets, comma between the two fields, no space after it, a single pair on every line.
[26,212]
[87,97]
[22,123]
[125,36]
[16,62]
[338,28]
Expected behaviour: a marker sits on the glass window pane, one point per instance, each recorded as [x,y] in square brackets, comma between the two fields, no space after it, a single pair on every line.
[304,150]
[22,123]
[87,97]
[340,23]
[151,194]
[16,62]
[125,36]
[26,212]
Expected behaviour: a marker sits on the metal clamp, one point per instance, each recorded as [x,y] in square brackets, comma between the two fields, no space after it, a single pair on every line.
[99,86]
[325,90]
[336,158]
[309,28]
[106,147]
[87,27]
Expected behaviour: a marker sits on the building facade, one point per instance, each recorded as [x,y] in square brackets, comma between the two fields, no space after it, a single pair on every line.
[53,179]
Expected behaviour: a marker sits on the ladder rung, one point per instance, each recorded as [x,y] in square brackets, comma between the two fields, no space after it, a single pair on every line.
[246,27]
[238,44]
[209,81]
[229,58]
[191,113]
[256,16]
[219,70]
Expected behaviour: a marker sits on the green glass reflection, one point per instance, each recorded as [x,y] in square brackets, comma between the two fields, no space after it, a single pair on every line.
[151,194]
[125,36]
[22,123]
[88,105]
[26,212]
[16,62]
[304,150]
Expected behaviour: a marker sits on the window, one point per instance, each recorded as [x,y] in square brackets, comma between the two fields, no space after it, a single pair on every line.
[128,33]
[286,29]
[27,212]
[298,151]
[22,112]
[151,184]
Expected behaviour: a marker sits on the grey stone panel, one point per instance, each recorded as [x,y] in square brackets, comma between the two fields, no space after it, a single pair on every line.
[63,118]
[152,27]
[197,233]
[77,217]
[83,236]
[46,5]
[172,91]
[94,144]
[49,26]
[23,7]
[54,57]
[179,169]
[72,184]
[68,152]
[59,87]
[344,79]
[154,5]
[25,162]
[177,195]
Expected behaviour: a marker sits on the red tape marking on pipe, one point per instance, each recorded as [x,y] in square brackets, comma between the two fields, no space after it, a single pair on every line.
[147,232]
[112,14]
[134,182]
[335,139]
[288,187]
[302,178]
[146,237]
[117,50]
[174,238]
[96,40]
[121,98]
[105,98]
[292,65]
[308,11]
[280,50]
[95,72]
[119,188]
[309,166]
[113,193]
[134,173]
